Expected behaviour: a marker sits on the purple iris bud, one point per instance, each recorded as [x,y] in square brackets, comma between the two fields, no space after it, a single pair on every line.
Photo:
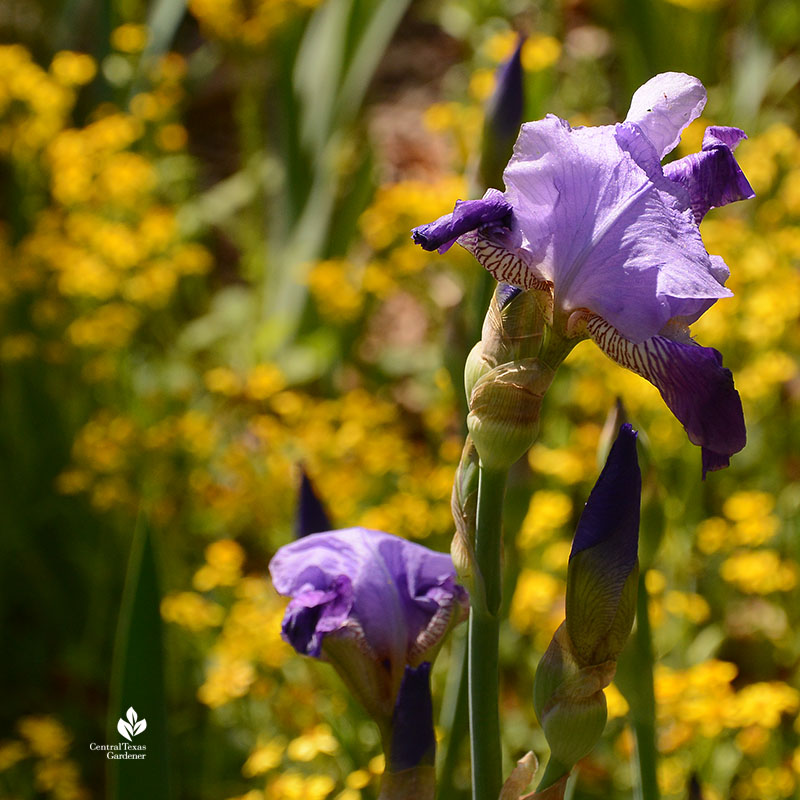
[504,110]
[610,519]
[503,118]
[602,573]
[413,741]
[467,216]
[712,177]
[602,583]
[613,236]
[311,514]
[370,603]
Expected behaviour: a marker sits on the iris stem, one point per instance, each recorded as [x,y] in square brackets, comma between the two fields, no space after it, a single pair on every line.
[453,719]
[484,631]
[644,715]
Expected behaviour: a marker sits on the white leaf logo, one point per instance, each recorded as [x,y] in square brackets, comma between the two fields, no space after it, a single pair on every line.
[133,727]
[125,729]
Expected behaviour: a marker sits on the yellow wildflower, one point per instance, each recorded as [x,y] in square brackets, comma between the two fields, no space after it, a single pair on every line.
[11,751]
[548,512]
[191,611]
[129,38]
[759,572]
[311,744]
[539,52]
[45,736]
[263,759]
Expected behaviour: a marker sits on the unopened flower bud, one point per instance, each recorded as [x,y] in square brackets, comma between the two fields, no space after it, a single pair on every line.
[602,581]
[475,367]
[503,118]
[413,741]
[411,746]
[603,572]
[513,327]
[504,411]
[570,704]
[512,330]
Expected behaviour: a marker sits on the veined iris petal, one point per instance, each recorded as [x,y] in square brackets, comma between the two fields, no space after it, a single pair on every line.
[712,177]
[695,386]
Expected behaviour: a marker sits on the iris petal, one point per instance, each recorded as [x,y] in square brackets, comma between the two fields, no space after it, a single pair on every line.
[712,177]
[313,614]
[396,589]
[496,251]
[605,227]
[467,215]
[695,386]
[664,106]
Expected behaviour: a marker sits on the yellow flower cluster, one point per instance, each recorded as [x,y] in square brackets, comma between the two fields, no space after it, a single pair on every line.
[748,522]
[108,246]
[573,463]
[356,446]
[192,611]
[249,639]
[767,783]
[251,24]
[46,742]
[537,607]
[548,512]
[307,747]
[35,104]
[700,701]
[335,285]
[759,572]
[395,263]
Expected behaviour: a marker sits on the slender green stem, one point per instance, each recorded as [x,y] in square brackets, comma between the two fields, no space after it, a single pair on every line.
[453,719]
[484,629]
[644,714]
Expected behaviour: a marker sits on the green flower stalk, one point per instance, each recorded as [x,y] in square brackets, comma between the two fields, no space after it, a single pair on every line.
[602,581]
[504,382]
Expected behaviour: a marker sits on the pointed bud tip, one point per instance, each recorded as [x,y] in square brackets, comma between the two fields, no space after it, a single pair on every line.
[311,514]
[612,509]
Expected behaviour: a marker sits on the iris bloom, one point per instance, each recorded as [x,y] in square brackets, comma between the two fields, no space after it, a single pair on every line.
[370,603]
[591,218]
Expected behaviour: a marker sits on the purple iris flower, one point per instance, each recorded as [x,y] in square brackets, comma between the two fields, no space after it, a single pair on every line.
[590,216]
[371,604]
